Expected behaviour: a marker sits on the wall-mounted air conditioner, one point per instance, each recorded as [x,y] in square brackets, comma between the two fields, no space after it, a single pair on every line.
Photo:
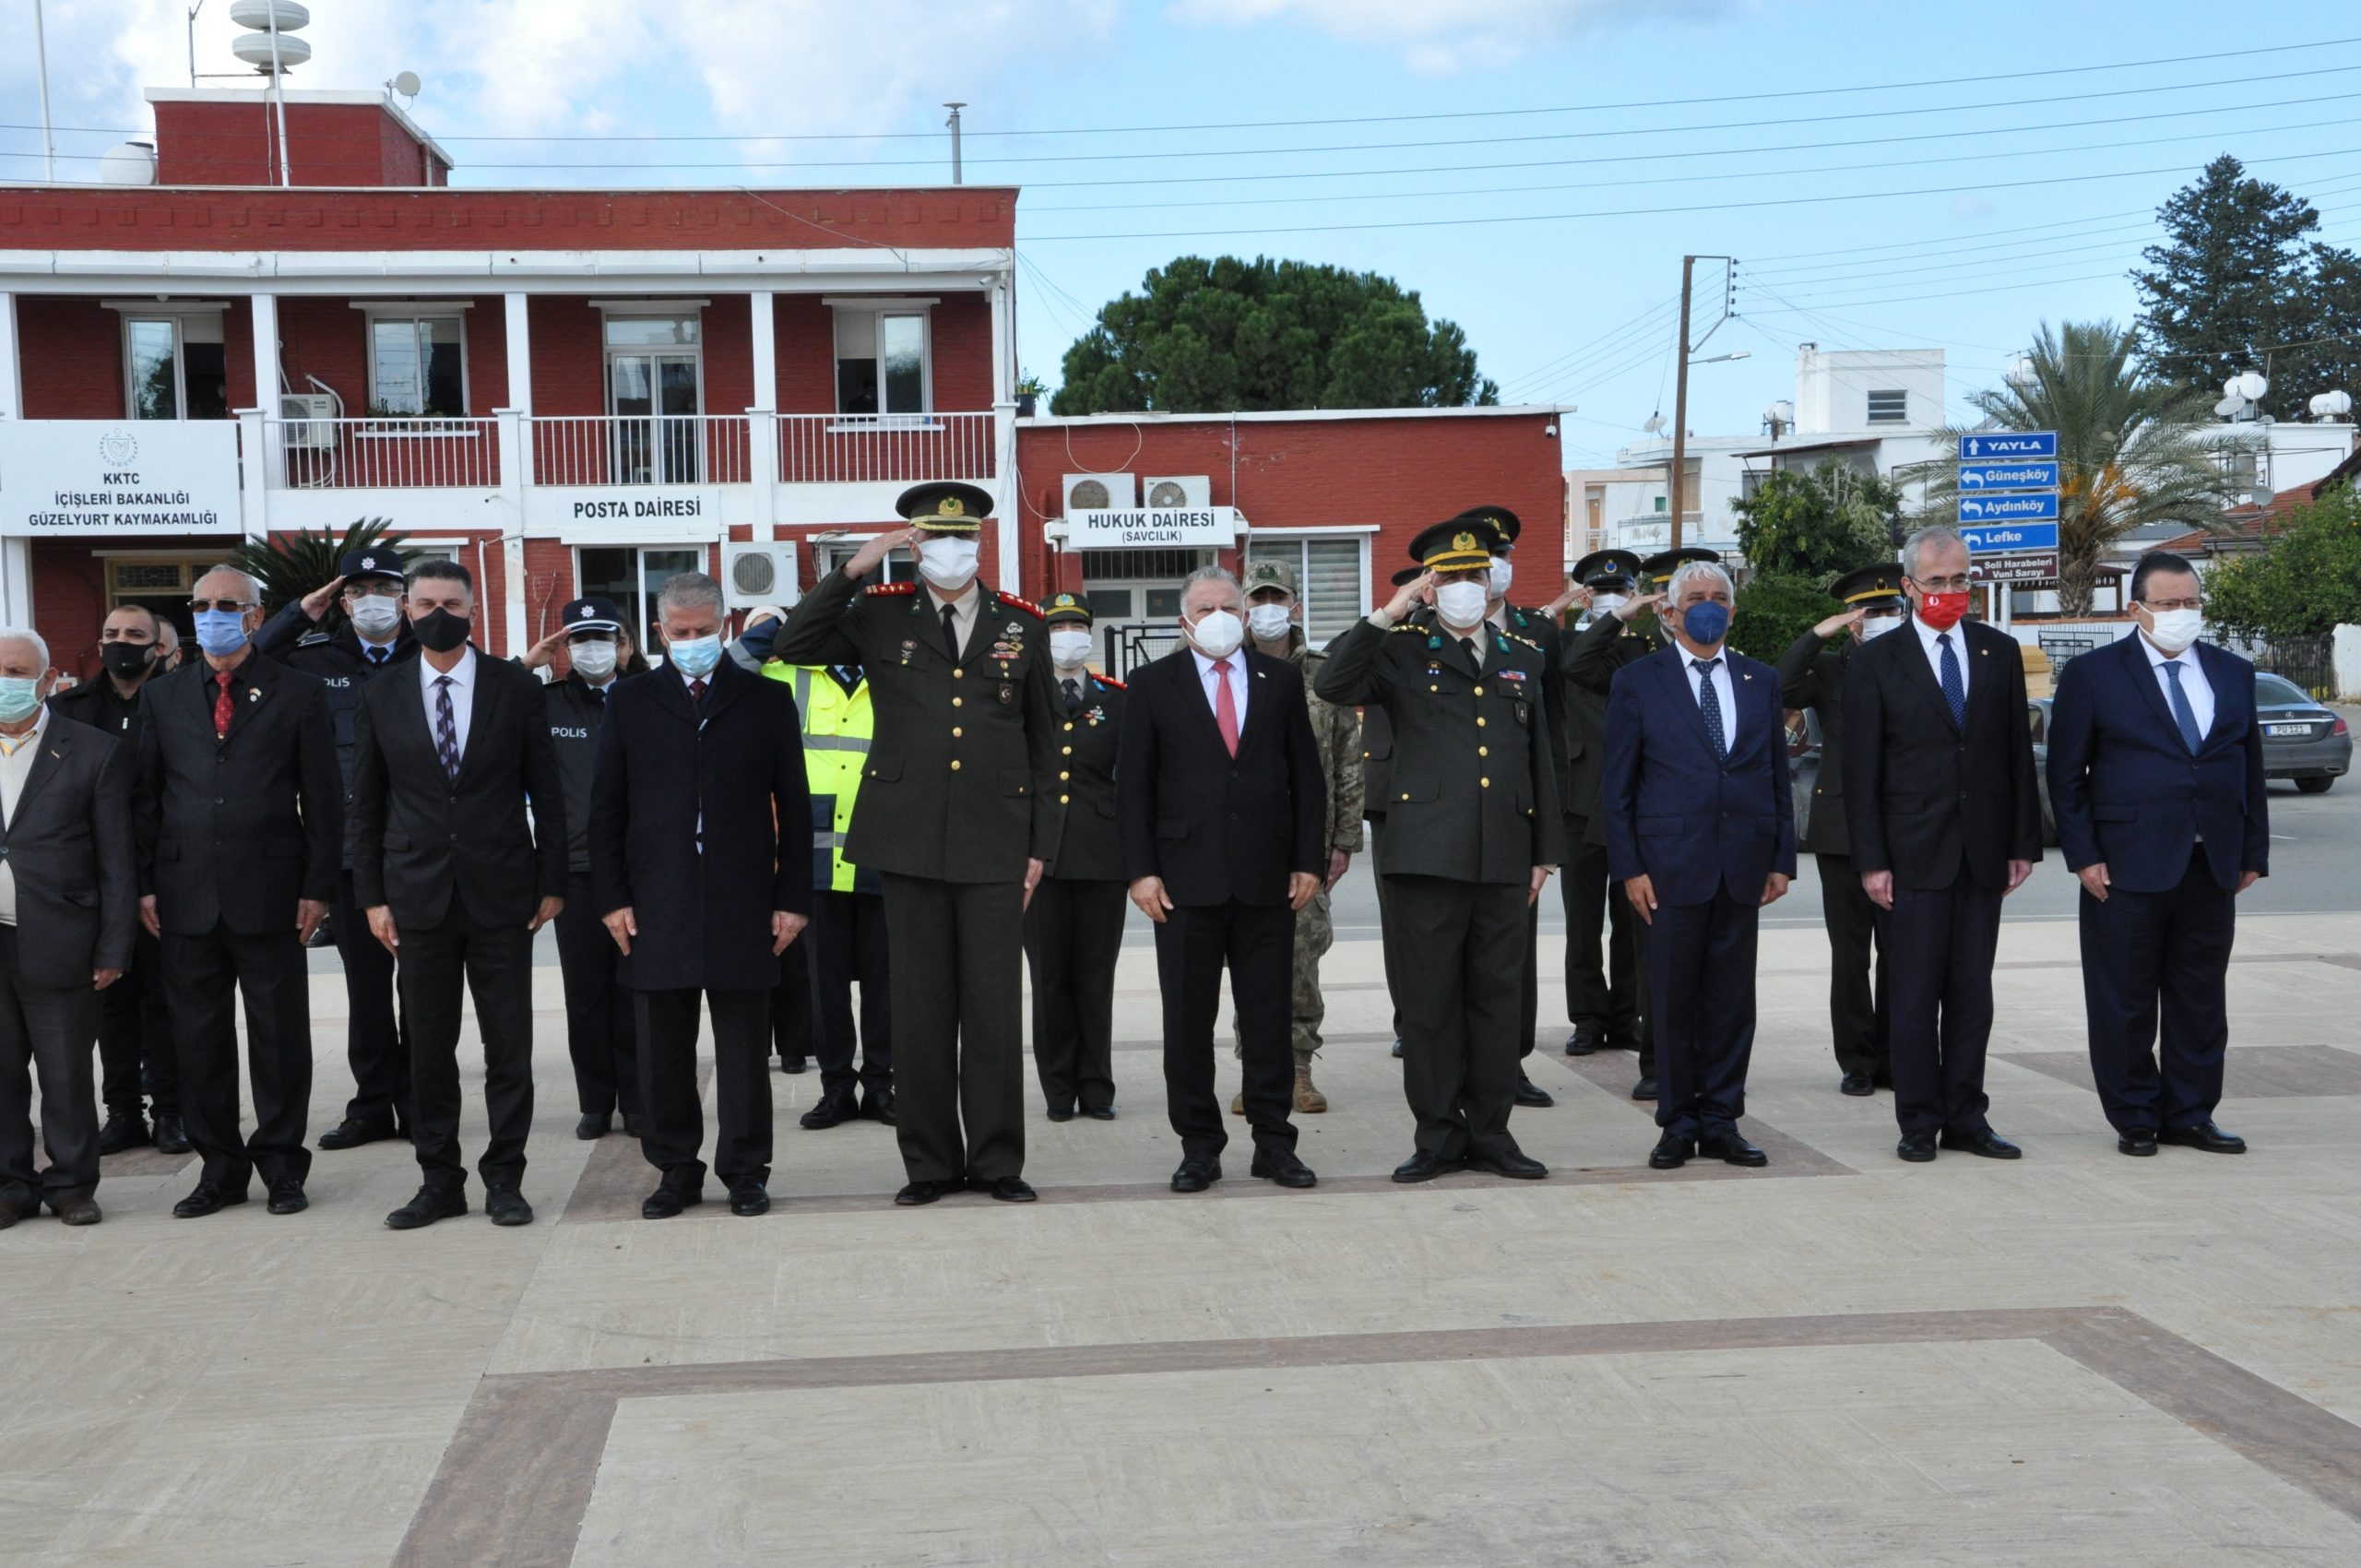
[1100,492]
[759,574]
[305,421]
[1164,491]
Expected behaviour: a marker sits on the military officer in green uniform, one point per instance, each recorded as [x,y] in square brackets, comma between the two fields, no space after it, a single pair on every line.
[1811,674]
[1472,834]
[957,813]
[1274,622]
[1590,659]
[1604,994]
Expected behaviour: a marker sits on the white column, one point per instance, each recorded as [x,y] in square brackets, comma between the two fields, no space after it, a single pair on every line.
[12,377]
[765,325]
[15,554]
[513,431]
[255,463]
[1005,487]
[761,416]
[520,355]
[269,447]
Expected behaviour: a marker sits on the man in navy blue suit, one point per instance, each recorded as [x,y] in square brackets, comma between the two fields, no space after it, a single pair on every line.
[2155,775]
[1700,832]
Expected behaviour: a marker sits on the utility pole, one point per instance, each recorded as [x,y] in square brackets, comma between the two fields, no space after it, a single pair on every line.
[41,60]
[954,124]
[1680,407]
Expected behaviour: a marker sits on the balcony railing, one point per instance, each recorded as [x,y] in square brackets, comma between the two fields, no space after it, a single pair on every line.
[582,449]
[399,454]
[884,448]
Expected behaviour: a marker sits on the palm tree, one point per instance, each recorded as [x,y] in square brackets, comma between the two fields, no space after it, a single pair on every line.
[291,565]
[2131,451]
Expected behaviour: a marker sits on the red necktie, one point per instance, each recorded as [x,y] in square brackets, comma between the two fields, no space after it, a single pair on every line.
[1225,705]
[221,708]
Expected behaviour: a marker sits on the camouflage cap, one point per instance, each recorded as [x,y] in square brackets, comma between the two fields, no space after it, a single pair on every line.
[1263,572]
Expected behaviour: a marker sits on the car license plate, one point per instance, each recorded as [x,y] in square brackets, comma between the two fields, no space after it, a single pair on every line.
[2297,730]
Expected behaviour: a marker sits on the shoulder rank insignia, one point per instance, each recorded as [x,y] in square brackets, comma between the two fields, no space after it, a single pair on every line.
[1110,682]
[1408,627]
[313,639]
[890,590]
[1511,637]
[1015,603]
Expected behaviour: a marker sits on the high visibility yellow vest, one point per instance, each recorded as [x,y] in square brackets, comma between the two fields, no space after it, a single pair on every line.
[837,728]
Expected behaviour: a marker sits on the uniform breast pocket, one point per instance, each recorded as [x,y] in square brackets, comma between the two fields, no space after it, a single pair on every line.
[1015,782]
[884,769]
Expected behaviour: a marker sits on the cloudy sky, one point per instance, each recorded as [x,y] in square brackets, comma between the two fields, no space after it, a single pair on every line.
[1887,175]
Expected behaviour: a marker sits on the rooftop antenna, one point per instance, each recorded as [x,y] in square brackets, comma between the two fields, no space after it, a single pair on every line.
[954,124]
[48,143]
[274,52]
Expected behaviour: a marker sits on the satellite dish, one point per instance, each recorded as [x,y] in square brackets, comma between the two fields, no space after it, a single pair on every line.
[2230,405]
[2252,386]
[407,84]
[1653,425]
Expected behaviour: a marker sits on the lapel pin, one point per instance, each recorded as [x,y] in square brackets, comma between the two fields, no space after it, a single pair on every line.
[253,694]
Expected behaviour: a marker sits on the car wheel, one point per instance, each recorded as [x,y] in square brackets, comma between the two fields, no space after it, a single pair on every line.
[2315,786]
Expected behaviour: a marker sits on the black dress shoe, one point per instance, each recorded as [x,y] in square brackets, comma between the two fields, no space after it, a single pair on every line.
[1397,1049]
[1196,1175]
[631,1125]
[830,1110]
[1671,1152]
[1007,1189]
[877,1105]
[1858,1082]
[793,1064]
[594,1125]
[287,1197]
[1100,1112]
[1645,1088]
[507,1207]
[171,1137]
[669,1199]
[2204,1136]
[1425,1166]
[1061,1113]
[1283,1167]
[1985,1141]
[11,1212]
[1586,1040]
[1731,1150]
[1916,1148]
[348,1134]
[1530,1093]
[919,1193]
[431,1204]
[1509,1162]
[2139,1141]
[124,1130]
[77,1211]
[204,1199]
[748,1199]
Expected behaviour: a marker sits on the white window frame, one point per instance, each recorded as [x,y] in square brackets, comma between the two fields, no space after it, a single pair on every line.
[827,555]
[1870,406]
[922,418]
[1304,538]
[642,634]
[175,312]
[417,312]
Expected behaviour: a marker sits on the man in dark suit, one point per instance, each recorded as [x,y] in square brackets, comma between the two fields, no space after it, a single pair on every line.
[1940,804]
[1221,802]
[1811,675]
[1603,971]
[135,1026]
[1700,833]
[1473,831]
[1074,929]
[2156,775]
[69,890]
[240,811]
[701,855]
[457,878]
[959,813]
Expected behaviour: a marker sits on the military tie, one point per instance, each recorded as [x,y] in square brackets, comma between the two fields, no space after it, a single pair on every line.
[2183,714]
[1954,684]
[1709,703]
[951,631]
[1074,697]
[377,655]
[1474,660]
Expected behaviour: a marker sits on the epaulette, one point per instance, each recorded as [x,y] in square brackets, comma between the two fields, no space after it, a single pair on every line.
[1013,601]
[315,639]
[1111,680]
[1526,641]
[889,590]
[1400,626]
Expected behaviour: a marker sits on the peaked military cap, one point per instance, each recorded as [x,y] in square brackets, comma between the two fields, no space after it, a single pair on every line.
[1659,568]
[1067,607]
[378,560]
[1455,545]
[1603,567]
[945,506]
[1504,522]
[1870,588]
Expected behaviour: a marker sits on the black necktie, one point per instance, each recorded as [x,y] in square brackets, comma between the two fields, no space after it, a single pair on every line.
[376,655]
[1474,660]
[951,631]
[1074,697]
[599,697]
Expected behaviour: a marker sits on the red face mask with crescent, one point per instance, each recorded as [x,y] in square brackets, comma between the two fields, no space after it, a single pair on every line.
[1942,610]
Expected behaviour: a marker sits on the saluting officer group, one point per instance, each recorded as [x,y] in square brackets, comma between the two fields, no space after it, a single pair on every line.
[918,788]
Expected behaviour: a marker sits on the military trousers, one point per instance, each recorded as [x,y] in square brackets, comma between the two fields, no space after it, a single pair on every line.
[1860,1005]
[1461,946]
[1384,919]
[1074,934]
[958,952]
[1605,985]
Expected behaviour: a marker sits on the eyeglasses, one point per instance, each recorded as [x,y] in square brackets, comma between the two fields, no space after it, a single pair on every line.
[226,606]
[1959,584]
[2157,606]
[372,591]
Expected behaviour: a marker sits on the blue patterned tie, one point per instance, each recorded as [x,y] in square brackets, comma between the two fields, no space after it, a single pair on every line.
[447,730]
[2183,715]
[1954,688]
[1709,703]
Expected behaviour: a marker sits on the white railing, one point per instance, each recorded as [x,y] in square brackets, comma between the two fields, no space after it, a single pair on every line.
[585,449]
[396,454]
[880,448]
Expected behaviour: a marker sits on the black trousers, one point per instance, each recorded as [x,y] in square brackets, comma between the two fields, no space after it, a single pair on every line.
[495,966]
[135,1037]
[1461,943]
[2147,953]
[1943,940]
[1256,943]
[1701,995]
[794,1020]
[49,1033]
[376,1038]
[1611,988]
[1384,918]
[848,948]
[1859,998]
[958,956]
[1073,933]
[205,977]
[672,1116]
[599,1027]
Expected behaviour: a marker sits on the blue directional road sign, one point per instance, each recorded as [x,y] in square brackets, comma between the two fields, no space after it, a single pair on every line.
[2030,506]
[1992,445]
[2009,476]
[1989,538]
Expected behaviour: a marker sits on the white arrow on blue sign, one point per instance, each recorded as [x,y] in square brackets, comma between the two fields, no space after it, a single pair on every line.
[2008,475]
[2029,507]
[1996,537]
[1994,444]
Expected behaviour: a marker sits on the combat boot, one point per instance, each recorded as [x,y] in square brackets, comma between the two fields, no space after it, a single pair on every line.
[1309,1100]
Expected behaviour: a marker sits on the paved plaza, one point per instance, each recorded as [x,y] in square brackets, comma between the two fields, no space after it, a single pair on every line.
[2078,1358]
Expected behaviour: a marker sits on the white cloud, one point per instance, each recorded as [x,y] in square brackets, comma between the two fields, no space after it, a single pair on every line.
[1444,36]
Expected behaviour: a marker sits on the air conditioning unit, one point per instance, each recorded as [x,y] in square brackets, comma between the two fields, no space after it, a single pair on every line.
[306,421]
[759,574]
[1099,493]
[1192,490]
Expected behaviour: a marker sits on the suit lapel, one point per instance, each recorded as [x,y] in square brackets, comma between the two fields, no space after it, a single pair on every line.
[1676,676]
[2143,675]
[1191,687]
[728,682]
[674,693]
[55,743]
[1920,673]
[2230,714]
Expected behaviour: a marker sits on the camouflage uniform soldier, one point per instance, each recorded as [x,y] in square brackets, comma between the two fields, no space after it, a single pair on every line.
[1274,616]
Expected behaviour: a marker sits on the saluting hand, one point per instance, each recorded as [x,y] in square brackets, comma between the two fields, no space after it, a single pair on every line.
[542,652]
[865,560]
[1629,610]
[316,602]
[1842,621]
[1418,590]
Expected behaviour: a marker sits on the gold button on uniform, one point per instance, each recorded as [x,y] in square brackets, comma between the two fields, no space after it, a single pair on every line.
[955,765]
[1066,751]
[958,675]
[957,732]
[1063,799]
[1479,691]
[1486,782]
[1481,751]
[954,702]
[1069,723]
[1480,721]
[1063,777]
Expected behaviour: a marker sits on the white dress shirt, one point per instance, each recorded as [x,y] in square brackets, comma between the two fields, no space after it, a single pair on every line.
[2193,683]
[1926,636]
[463,694]
[963,613]
[1205,679]
[17,753]
[1723,691]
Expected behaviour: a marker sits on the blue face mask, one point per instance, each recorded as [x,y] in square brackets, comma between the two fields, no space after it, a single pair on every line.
[695,656]
[19,698]
[1706,624]
[221,632]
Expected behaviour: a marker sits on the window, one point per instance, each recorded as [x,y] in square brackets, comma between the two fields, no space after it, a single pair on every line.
[898,567]
[882,362]
[1891,406]
[632,577]
[175,367]
[1334,582]
[417,365]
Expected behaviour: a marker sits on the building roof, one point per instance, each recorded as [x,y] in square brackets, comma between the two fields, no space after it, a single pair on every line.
[1821,444]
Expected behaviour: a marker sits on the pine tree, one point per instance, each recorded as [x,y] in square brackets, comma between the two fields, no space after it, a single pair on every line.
[2233,281]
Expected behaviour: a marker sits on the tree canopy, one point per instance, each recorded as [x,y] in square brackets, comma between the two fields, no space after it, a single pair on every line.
[2306,582]
[1228,336]
[1819,522]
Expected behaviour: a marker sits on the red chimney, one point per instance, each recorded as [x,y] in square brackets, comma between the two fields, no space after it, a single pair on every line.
[210,137]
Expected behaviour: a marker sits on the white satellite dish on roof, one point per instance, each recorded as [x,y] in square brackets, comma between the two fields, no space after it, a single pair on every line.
[2252,386]
[407,84]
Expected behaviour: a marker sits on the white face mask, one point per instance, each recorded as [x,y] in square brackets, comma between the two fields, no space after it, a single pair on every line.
[1607,603]
[1503,574]
[948,563]
[1460,604]
[1269,621]
[2173,630]
[376,617]
[595,661]
[1069,648]
[1878,625]
[1218,633]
